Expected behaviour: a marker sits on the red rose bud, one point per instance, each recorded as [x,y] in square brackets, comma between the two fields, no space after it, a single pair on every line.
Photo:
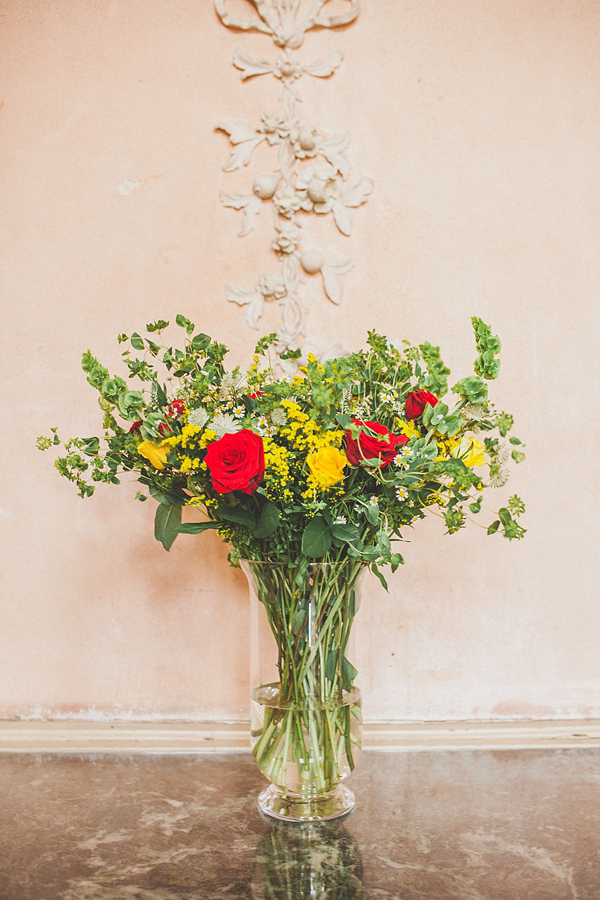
[236,462]
[135,428]
[416,403]
[164,430]
[256,394]
[367,446]
[176,408]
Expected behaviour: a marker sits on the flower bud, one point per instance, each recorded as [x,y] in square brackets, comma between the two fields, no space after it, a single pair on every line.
[312,261]
[264,186]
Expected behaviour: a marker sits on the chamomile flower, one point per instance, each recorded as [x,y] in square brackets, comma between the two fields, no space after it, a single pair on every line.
[340,520]
[263,427]
[401,494]
[373,501]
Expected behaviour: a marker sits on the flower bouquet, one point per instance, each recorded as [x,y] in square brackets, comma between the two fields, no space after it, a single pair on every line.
[311,472]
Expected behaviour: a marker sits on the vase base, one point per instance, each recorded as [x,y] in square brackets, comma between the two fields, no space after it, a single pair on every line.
[295,808]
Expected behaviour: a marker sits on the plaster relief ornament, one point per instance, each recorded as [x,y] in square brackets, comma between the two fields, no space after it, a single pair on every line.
[311,172]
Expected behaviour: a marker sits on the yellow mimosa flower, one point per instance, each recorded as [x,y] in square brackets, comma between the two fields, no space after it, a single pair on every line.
[327,466]
[156,454]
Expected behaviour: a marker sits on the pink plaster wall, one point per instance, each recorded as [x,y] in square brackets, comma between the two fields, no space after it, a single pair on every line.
[480,123]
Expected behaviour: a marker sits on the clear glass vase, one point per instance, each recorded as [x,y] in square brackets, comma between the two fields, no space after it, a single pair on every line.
[306,723]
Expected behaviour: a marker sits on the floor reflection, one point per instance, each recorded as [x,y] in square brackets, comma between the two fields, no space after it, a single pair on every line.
[427,826]
[317,860]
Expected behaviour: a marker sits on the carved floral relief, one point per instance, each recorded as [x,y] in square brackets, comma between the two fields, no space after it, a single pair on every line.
[311,174]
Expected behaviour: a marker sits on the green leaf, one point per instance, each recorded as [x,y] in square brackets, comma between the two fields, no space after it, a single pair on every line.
[379,575]
[372,514]
[268,521]
[196,527]
[167,523]
[237,514]
[174,497]
[200,342]
[349,534]
[161,395]
[349,673]
[343,421]
[298,621]
[317,538]
[330,665]
[494,527]
[157,326]
[504,515]
[136,341]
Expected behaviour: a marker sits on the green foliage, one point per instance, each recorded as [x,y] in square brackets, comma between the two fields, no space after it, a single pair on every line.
[488,347]
[436,381]
[176,400]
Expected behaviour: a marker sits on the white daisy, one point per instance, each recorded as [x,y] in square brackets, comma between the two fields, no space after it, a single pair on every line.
[263,427]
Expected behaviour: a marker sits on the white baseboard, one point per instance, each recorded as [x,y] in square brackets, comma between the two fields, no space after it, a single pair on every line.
[194,737]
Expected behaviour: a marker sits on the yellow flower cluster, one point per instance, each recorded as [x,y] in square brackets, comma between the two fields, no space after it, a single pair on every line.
[408,428]
[187,445]
[277,470]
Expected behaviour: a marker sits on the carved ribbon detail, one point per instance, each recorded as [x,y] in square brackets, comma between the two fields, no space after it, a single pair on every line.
[311,172]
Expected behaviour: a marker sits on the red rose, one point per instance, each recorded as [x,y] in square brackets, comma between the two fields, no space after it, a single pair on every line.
[135,428]
[175,408]
[236,462]
[164,429]
[416,403]
[367,446]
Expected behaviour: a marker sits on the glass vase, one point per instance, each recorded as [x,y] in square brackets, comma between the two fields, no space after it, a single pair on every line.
[306,723]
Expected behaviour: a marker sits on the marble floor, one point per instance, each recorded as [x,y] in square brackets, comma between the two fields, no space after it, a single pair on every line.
[428,826]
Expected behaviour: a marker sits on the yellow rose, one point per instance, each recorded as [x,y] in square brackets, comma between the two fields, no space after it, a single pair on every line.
[471,451]
[327,466]
[156,454]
